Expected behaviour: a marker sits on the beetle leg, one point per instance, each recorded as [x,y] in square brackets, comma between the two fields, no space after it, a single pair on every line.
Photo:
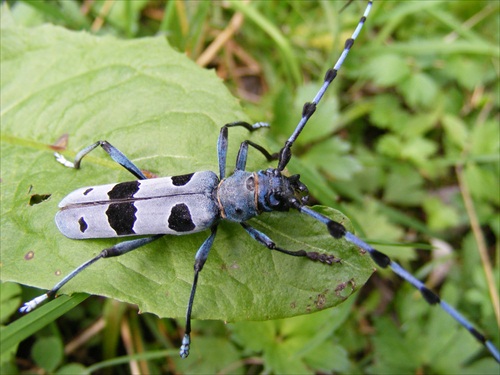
[266,241]
[112,151]
[116,250]
[200,259]
[222,145]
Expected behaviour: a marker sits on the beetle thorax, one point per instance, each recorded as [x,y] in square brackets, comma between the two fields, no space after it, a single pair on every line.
[236,196]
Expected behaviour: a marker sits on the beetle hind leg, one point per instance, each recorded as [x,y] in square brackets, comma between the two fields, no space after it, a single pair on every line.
[112,151]
[116,250]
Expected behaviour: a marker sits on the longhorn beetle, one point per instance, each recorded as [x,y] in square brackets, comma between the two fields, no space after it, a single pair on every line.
[199,201]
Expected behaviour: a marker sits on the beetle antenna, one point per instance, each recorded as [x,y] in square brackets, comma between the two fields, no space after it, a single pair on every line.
[286,153]
[338,231]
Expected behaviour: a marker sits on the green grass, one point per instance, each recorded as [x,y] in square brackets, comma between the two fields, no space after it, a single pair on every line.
[405,144]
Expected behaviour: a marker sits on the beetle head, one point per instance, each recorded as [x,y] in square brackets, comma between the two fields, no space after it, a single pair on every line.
[277,192]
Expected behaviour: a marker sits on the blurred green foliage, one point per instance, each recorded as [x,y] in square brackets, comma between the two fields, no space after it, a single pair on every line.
[407,133]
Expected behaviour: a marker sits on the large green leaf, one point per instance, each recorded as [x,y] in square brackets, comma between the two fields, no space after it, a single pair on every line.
[165,113]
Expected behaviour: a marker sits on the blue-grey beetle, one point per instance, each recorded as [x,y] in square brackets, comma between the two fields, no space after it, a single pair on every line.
[199,201]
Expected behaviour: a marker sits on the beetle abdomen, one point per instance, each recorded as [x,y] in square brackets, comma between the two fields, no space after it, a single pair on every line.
[169,205]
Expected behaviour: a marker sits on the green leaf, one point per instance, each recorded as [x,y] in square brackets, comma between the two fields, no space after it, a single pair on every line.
[387,70]
[436,339]
[213,355]
[418,150]
[419,90]
[332,157]
[48,353]
[483,183]
[165,113]
[485,139]
[390,145]
[295,344]
[9,300]
[440,216]
[456,130]
[388,114]
[329,356]
[468,72]
[404,186]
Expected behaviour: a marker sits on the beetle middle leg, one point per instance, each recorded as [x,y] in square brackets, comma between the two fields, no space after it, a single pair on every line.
[241,159]
[200,259]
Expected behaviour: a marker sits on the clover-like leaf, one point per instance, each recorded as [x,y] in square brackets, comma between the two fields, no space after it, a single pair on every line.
[163,112]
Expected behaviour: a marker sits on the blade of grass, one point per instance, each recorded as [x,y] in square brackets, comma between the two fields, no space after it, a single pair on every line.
[289,60]
[397,17]
[455,25]
[480,241]
[24,327]
[53,11]
[439,47]
[126,359]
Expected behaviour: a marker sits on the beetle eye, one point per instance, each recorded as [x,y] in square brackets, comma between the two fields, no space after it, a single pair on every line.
[250,183]
[274,200]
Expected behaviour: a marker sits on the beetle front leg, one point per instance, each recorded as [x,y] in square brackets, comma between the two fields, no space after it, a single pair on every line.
[266,241]
[222,143]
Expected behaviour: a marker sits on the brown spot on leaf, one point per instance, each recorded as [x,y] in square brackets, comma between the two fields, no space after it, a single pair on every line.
[149,174]
[340,288]
[321,300]
[61,143]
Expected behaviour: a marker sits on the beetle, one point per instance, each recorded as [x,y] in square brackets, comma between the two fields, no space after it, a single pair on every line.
[200,201]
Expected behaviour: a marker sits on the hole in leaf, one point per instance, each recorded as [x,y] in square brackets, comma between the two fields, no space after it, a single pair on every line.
[38,198]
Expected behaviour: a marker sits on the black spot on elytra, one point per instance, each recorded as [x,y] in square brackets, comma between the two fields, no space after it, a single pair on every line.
[124,190]
[182,180]
[121,217]
[180,219]
[83,224]
[88,191]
